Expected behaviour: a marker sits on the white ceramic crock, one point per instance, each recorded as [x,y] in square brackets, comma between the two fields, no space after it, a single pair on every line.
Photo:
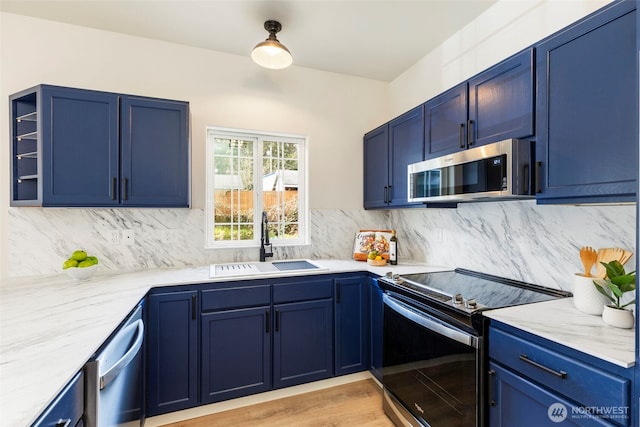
[586,297]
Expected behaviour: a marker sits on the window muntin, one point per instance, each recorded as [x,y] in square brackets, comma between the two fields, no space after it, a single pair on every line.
[245,171]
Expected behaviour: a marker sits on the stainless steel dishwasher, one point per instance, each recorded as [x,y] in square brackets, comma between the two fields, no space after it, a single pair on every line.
[114,393]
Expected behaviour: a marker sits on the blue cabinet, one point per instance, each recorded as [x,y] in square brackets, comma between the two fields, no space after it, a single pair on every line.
[172,352]
[533,381]
[388,150]
[494,105]
[75,147]
[376,310]
[303,331]
[67,408]
[587,109]
[236,340]
[351,325]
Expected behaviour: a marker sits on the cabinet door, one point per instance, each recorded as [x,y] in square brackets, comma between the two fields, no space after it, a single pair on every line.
[501,101]
[406,146]
[445,122]
[376,309]
[155,152]
[80,154]
[376,169]
[236,353]
[516,401]
[172,363]
[302,342]
[67,408]
[352,326]
[587,114]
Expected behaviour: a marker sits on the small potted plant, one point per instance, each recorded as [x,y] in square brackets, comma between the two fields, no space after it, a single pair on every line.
[618,282]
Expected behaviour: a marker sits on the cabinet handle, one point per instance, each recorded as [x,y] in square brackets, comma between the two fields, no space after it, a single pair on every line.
[125,193]
[461,136]
[526,179]
[559,374]
[538,177]
[470,133]
[389,194]
[114,187]
[277,320]
[267,316]
[492,401]
[193,307]
[63,423]
[338,293]
[386,198]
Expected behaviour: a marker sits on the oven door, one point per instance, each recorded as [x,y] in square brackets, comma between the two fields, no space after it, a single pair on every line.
[431,369]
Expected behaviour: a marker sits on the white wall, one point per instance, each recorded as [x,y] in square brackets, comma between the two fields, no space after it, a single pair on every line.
[223,90]
[504,29]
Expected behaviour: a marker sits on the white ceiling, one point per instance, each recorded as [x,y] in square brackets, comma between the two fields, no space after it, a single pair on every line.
[377,39]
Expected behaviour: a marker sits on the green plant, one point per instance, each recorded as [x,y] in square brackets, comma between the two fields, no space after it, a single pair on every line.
[618,282]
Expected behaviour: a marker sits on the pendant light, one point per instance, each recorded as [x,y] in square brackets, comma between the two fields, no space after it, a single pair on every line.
[271,53]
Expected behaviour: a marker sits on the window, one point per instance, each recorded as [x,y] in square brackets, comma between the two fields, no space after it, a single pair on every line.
[248,173]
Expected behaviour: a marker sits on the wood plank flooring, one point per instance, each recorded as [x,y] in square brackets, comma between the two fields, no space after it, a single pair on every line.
[354,404]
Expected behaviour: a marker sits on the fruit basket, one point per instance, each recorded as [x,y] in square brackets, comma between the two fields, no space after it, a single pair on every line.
[377,262]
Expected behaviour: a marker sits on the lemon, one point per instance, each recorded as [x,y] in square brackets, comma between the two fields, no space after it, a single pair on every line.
[69,263]
[79,255]
[378,258]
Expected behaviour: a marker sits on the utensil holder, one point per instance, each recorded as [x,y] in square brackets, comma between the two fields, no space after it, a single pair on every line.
[586,297]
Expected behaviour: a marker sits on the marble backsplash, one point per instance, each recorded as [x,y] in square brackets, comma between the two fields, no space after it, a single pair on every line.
[516,239]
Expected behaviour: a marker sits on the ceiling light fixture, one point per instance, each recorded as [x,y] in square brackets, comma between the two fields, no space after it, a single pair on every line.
[271,53]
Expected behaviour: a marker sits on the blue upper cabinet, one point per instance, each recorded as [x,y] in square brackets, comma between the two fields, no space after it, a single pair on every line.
[75,147]
[155,150]
[501,101]
[445,122]
[587,109]
[388,150]
[494,105]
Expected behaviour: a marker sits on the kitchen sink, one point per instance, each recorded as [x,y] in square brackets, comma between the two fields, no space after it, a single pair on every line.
[261,268]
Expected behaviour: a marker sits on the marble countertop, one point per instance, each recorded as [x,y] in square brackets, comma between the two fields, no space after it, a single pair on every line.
[51,325]
[561,322]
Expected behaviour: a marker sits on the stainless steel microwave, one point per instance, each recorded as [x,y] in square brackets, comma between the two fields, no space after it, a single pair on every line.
[498,171]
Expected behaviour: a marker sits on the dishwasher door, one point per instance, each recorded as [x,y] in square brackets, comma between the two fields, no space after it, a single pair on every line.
[114,378]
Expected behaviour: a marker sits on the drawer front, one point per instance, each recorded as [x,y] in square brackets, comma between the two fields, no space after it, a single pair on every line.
[245,296]
[68,406]
[302,291]
[574,379]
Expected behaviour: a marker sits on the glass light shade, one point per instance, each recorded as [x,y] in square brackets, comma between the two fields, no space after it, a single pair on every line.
[271,54]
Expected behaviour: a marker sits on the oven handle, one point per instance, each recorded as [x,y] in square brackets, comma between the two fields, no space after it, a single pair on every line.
[430,322]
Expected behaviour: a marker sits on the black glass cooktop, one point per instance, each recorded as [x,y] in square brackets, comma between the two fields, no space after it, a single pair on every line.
[475,291]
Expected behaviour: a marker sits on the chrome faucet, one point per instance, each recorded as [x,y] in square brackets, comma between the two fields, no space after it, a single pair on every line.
[264,239]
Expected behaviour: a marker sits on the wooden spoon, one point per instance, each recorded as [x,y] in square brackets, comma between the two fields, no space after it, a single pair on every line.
[606,255]
[588,257]
[626,255]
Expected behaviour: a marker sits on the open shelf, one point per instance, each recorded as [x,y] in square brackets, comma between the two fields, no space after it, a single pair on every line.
[29,117]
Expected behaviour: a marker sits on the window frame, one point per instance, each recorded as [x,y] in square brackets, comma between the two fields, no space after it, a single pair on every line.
[258,173]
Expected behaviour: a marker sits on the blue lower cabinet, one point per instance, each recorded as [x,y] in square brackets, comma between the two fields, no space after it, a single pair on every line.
[351,325]
[516,401]
[67,408]
[536,382]
[376,309]
[236,353]
[302,342]
[172,349]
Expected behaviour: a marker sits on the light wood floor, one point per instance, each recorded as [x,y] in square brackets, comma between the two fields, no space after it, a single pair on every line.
[355,404]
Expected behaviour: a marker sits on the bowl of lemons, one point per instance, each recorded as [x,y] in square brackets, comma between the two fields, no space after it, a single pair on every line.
[374,258]
[80,266]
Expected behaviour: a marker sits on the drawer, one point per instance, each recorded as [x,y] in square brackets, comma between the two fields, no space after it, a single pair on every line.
[67,408]
[579,381]
[242,296]
[302,290]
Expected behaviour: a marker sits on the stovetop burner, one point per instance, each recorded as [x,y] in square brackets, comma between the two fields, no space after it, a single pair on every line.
[467,291]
